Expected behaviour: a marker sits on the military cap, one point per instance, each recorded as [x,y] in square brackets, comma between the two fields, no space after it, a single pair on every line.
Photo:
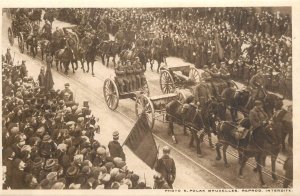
[70,123]
[258,103]
[67,84]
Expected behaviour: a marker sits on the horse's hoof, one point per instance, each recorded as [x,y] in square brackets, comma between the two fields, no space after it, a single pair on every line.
[93,75]
[241,177]
[218,158]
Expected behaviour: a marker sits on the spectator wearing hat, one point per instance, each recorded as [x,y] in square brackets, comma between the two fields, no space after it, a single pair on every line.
[257,116]
[47,147]
[166,167]
[115,148]
[67,90]
[41,77]
[23,70]
[19,143]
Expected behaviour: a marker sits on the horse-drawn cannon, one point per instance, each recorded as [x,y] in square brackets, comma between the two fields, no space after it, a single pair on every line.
[112,94]
[154,107]
[178,77]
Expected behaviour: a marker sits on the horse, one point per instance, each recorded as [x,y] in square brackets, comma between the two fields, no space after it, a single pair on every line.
[63,56]
[248,145]
[91,54]
[158,54]
[32,44]
[240,100]
[283,123]
[143,57]
[193,118]
[108,49]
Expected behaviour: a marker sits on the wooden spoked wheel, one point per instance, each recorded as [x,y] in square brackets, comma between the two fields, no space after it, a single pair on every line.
[143,105]
[145,88]
[194,75]
[166,81]
[111,94]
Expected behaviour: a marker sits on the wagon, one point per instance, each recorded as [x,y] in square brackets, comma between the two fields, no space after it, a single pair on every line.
[112,94]
[181,77]
[154,107]
[13,32]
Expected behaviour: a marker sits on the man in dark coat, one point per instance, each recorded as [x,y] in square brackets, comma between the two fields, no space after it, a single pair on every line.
[18,175]
[41,77]
[166,167]
[115,148]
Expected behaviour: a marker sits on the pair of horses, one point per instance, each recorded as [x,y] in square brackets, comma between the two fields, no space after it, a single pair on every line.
[196,120]
[264,141]
[260,143]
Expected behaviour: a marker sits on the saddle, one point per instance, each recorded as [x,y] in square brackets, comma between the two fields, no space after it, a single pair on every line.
[239,133]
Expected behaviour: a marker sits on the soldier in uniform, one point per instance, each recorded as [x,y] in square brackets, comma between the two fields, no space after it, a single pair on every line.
[88,27]
[166,166]
[130,75]
[139,73]
[47,30]
[115,148]
[139,42]
[257,116]
[119,37]
[8,58]
[121,78]
[255,86]
[206,77]
[224,76]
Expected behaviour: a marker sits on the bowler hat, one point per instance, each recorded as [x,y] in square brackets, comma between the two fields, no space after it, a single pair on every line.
[72,171]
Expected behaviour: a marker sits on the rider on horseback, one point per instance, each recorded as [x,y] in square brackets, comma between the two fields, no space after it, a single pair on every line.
[256,86]
[257,116]
[47,30]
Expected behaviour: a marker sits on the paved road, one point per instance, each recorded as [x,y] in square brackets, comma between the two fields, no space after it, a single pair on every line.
[189,167]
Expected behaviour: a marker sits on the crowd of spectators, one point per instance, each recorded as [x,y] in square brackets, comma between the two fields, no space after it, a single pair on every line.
[245,38]
[48,140]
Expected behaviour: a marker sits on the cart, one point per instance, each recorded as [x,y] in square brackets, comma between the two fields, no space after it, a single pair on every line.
[182,76]
[112,93]
[154,107]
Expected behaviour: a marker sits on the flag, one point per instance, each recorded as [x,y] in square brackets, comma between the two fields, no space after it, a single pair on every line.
[219,47]
[141,142]
[48,78]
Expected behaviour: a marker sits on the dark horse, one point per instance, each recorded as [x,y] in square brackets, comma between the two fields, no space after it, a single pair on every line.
[158,54]
[32,45]
[193,119]
[108,49]
[91,53]
[237,100]
[250,145]
[64,56]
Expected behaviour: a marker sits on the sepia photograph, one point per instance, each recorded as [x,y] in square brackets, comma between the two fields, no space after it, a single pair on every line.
[183,99]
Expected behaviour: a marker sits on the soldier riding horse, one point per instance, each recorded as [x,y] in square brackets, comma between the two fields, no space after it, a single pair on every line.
[248,143]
